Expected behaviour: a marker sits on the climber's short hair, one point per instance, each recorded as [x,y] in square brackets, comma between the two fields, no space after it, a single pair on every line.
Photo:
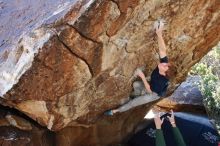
[172,71]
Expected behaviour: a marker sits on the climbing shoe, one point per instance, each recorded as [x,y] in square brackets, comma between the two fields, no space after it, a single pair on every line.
[108,113]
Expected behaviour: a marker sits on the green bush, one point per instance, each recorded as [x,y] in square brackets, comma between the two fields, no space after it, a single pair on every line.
[217,51]
[208,70]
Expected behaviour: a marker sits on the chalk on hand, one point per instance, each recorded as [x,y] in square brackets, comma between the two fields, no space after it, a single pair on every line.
[158,23]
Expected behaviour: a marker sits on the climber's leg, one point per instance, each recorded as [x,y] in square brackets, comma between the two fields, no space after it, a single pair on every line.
[137,101]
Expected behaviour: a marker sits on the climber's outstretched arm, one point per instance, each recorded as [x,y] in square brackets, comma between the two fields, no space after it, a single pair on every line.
[161,43]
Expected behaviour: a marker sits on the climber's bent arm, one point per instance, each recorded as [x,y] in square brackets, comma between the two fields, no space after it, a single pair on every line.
[146,84]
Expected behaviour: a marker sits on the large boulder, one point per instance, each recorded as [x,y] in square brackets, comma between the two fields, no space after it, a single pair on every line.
[70,69]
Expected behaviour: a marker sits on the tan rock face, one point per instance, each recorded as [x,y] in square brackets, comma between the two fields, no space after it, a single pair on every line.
[87,66]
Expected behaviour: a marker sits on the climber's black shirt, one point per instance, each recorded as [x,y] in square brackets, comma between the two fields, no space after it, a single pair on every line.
[159,83]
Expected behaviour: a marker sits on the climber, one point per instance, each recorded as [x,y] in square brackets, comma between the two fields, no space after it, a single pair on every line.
[145,92]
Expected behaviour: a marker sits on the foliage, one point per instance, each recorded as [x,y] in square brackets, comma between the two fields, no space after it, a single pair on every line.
[208,69]
[217,51]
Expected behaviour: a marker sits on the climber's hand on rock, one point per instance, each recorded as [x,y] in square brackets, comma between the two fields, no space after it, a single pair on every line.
[160,28]
[140,73]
